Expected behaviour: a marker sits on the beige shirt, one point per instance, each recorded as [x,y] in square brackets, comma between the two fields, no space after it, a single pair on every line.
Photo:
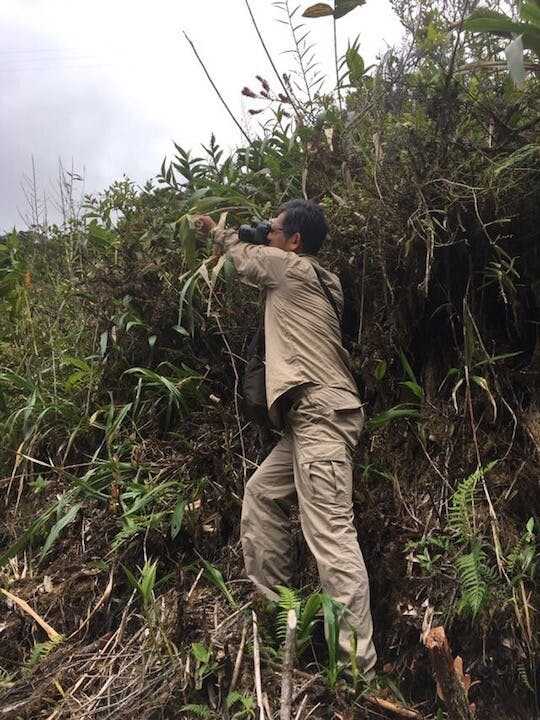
[302,332]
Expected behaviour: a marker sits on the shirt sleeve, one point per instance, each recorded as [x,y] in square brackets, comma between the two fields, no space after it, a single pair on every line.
[262,265]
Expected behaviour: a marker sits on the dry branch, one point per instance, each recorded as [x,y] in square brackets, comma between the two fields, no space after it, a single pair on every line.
[452,683]
[238,661]
[51,632]
[391,707]
[257,666]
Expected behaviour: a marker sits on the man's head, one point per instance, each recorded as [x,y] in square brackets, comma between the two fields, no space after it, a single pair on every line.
[299,227]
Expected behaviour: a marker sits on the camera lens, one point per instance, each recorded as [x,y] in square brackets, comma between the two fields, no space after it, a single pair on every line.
[256,233]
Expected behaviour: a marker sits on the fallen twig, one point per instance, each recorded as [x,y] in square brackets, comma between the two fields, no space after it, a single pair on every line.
[391,707]
[51,632]
[301,708]
[230,618]
[99,603]
[312,680]
[257,665]
[238,661]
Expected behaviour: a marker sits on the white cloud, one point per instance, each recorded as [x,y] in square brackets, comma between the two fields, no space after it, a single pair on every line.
[110,84]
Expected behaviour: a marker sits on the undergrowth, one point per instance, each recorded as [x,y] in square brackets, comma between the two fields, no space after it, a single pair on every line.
[122,345]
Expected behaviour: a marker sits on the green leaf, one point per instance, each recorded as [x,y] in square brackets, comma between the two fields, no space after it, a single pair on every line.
[318,10]
[58,527]
[188,240]
[200,652]
[530,12]
[180,330]
[216,577]
[355,65]
[28,535]
[135,584]
[503,26]
[408,369]
[380,370]
[393,413]
[343,7]
[414,388]
[177,518]
[134,324]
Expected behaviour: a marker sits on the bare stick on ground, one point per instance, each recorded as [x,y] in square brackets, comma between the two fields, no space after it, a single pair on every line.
[452,683]
[391,707]
[51,632]
[238,661]
[257,666]
[288,662]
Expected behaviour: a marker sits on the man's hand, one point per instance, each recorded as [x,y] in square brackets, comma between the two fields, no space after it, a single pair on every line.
[202,223]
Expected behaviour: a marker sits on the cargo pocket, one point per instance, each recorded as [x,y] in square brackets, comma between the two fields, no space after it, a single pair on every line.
[325,471]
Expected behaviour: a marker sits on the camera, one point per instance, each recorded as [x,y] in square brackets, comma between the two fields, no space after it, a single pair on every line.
[256,233]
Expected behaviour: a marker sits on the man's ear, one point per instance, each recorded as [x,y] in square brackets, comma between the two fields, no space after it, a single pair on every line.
[295,242]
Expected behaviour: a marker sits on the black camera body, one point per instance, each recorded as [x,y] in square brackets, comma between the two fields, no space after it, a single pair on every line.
[256,233]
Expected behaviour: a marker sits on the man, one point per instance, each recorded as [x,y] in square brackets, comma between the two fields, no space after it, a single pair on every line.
[313,397]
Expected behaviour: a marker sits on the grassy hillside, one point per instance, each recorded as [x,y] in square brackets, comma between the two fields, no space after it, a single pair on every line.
[124,452]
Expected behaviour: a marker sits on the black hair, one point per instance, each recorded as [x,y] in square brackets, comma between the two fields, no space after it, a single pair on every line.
[306,218]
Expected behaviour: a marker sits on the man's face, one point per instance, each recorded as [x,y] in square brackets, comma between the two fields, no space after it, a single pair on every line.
[278,239]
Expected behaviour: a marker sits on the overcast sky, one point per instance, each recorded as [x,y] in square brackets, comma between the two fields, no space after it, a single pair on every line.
[106,86]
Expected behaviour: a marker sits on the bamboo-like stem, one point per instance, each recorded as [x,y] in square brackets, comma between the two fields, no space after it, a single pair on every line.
[212,83]
[298,52]
[337,64]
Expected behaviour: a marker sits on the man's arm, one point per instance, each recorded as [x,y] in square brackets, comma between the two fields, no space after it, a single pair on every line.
[259,264]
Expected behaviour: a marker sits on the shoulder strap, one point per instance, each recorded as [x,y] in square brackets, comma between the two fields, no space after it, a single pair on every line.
[328,294]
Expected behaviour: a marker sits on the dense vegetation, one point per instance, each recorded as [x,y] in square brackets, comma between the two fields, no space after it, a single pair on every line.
[124,453]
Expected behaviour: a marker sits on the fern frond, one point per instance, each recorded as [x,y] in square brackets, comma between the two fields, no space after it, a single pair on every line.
[474,573]
[462,514]
[202,711]
[524,676]
[43,649]
[525,551]
[289,599]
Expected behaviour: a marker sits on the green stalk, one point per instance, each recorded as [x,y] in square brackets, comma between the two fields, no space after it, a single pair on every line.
[337,64]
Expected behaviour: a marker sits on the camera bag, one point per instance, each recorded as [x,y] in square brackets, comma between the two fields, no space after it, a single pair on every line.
[254,383]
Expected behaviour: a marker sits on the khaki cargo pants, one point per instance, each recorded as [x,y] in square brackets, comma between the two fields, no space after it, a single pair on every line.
[312,463]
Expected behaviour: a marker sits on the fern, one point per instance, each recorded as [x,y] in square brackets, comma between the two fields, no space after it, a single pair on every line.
[199,711]
[462,514]
[289,599]
[42,650]
[475,575]
[524,676]
[514,558]
[306,613]
[524,552]
[247,709]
